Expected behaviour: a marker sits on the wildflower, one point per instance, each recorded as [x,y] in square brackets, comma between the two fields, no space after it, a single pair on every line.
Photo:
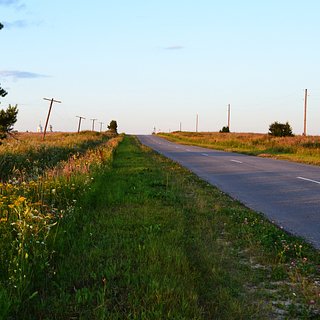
[53,191]
[19,201]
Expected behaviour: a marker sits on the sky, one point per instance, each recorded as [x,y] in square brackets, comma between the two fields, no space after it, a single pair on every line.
[157,64]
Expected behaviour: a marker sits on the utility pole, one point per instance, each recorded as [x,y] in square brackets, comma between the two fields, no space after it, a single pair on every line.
[180,127]
[93,120]
[197,122]
[51,103]
[101,126]
[229,116]
[305,112]
[80,119]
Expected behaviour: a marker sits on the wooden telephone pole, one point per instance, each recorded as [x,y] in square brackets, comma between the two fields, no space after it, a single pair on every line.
[93,120]
[197,122]
[51,103]
[80,119]
[305,112]
[229,116]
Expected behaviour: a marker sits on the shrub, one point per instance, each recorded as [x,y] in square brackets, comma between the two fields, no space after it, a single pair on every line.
[225,129]
[113,126]
[278,129]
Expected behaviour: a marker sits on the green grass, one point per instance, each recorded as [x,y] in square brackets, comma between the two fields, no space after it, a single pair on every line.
[29,212]
[152,241]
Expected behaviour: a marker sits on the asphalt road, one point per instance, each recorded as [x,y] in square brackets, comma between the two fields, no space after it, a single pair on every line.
[287,193]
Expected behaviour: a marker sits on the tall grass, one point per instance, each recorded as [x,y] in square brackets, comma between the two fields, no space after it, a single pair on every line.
[160,243]
[30,209]
[143,238]
[298,148]
[26,156]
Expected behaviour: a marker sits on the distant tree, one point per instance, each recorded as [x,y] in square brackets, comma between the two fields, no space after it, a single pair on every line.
[225,129]
[278,129]
[113,126]
[7,119]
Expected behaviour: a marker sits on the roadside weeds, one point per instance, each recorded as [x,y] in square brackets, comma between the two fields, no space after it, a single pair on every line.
[160,243]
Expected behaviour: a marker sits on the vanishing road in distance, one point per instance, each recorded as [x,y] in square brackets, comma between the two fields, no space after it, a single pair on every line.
[287,193]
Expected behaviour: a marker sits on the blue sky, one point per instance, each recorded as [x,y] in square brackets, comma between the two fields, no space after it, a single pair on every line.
[157,63]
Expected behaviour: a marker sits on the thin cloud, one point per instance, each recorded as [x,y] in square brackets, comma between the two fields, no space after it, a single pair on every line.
[174,48]
[8,2]
[13,3]
[21,24]
[15,74]
[16,24]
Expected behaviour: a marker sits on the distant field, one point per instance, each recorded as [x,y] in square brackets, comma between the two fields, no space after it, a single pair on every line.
[27,155]
[298,148]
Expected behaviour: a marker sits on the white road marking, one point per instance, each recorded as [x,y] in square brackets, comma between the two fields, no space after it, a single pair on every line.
[314,181]
[204,154]
[188,150]
[236,161]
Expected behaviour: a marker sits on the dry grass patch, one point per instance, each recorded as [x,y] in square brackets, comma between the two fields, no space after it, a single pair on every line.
[297,148]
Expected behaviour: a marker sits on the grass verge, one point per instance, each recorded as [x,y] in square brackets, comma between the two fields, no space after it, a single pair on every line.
[298,148]
[152,241]
[29,212]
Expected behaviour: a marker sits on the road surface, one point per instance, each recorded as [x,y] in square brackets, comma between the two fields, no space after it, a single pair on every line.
[285,192]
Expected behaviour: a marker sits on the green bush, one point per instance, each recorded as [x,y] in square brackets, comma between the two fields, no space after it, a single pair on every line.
[278,129]
[225,129]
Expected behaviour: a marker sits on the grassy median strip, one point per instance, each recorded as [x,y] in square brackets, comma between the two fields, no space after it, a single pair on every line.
[152,241]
